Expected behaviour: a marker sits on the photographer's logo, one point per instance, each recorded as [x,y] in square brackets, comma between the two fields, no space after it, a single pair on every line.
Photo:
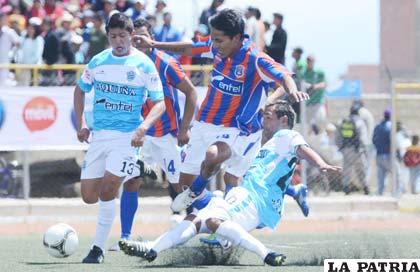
[371,265]
[39,113]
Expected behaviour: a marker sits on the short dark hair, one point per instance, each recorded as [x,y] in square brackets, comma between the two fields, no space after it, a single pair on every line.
[278,15]
[283,108]
[257,13]
[229,21]
[120,20]
[298,50]
[140,22]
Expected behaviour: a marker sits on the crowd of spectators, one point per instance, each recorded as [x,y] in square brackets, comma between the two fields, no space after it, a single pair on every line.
[71,32]
[67,32]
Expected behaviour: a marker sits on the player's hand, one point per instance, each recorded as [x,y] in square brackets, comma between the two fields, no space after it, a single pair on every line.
[83,135]
[140,41]
[138,137]
[330,168]
[298,97]
[183,137]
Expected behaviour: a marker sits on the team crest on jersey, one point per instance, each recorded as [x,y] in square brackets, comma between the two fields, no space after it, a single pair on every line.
[86,75]
[239,71]
[131,75]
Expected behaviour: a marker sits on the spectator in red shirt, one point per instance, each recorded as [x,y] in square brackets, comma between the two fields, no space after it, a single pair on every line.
[53,10]
[36,10]
[412,161]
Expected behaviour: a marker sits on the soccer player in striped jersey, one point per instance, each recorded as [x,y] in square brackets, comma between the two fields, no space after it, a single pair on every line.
[257,202]
[227,129]
[163,140]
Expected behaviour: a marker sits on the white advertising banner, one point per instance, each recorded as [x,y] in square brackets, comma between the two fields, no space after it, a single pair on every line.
[42,118]
[37,118]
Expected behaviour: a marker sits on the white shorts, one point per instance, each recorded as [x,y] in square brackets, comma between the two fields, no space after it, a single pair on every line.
[165,152]
[237,207]
[109,151]
[244,148]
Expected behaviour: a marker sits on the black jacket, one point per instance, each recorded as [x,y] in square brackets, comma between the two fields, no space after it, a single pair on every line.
[51,48]
[278,45]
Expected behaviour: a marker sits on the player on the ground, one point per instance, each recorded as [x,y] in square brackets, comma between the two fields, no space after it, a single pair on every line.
[122,78]
[162,141]
[227,129]
[298,192]
[258,202]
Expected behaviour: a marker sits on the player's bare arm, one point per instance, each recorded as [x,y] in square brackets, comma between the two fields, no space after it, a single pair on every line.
[291,88]
[188,89]
[155,113]
[180,48]
[277,94]
[79,105]
[307,153]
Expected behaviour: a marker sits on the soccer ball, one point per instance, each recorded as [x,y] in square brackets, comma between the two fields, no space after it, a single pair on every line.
[60,240]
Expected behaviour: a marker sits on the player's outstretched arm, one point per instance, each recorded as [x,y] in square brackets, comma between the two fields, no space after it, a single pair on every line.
[307,153]
[180,48]
[291,88]
[79,106]
[188,89]
[279,92]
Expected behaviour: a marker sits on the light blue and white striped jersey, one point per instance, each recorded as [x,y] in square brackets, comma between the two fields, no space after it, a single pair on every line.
[121,86]
[271,173]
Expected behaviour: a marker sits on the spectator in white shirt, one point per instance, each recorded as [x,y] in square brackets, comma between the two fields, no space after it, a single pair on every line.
[8,40]
[30,52]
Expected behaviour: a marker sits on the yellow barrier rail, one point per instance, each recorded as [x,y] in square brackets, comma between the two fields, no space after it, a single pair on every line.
[407,85]
[36,68]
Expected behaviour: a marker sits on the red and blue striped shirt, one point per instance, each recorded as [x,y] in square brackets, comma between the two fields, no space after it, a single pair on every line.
[239,86]
[171,74]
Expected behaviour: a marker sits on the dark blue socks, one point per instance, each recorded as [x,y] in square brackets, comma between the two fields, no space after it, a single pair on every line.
[198,185]
[128,208]
[203,201]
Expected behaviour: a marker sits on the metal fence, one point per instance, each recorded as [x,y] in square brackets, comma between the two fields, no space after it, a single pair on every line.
[55,173]
[67,74]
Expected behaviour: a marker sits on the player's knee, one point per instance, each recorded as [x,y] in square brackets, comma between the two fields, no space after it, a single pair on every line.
[211,156]
[217,153]
[108,192]
[213,224]
[132,185]
[89,197]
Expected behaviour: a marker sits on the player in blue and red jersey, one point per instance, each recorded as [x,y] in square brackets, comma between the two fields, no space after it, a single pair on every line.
[227,129]
[163,140]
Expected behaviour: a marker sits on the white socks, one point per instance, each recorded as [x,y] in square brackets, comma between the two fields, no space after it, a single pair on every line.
[106,214]
[183,232]
[238,236]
